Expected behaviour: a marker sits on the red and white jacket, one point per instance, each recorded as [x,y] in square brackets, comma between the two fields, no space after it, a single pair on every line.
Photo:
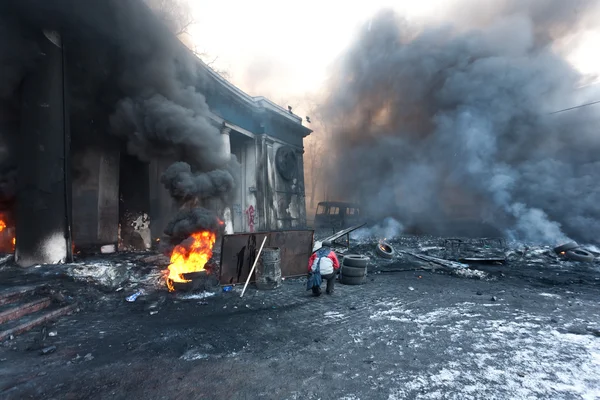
[328,264]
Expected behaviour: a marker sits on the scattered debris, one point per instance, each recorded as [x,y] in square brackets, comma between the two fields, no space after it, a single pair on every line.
[484,260]
[88,357]
[471,273]
[108,249]
[439,261]
[48,350]
[159,260]
[572,251]
[227,288]
[330,239]
[134,296]
[594,331]
[385,250]
[563,248]
[153,312]
[52,333]
[580,255]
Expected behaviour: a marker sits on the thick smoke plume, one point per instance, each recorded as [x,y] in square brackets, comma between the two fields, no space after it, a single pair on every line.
[184,185]
[149,79]
[187,222]
[427,118]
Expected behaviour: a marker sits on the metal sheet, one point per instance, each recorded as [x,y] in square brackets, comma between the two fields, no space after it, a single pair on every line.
[296,249]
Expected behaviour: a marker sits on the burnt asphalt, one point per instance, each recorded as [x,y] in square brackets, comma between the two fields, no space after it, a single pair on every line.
[524,331]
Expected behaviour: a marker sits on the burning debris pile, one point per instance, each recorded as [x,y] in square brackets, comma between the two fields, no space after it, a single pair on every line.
[442,122]
[7,237]
[190,256]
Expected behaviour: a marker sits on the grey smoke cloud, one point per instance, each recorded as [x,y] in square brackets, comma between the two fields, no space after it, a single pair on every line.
[439,110]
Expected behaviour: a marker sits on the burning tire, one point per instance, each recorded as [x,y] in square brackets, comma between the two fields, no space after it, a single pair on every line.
[355,260]
[563,248]
[352,280]
[353,272]
[580,255]
[385,250]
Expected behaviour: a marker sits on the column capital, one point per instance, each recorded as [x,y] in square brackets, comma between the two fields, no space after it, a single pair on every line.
[225,130]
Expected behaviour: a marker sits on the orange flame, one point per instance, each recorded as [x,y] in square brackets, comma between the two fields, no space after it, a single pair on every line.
[188,258]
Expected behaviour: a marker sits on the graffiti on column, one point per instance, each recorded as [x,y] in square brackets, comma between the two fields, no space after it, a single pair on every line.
[250,216]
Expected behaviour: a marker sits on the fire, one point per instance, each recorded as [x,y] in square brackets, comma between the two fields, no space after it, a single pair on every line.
[190,257]
[2,225]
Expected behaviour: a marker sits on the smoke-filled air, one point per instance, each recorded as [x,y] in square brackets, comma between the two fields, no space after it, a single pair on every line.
[434,122]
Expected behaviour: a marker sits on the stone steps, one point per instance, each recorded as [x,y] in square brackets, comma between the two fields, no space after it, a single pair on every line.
[22,309]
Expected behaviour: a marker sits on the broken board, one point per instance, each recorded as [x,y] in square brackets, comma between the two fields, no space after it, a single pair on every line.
[295,247]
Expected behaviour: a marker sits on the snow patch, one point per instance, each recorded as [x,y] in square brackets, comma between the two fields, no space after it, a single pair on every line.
[509,354]
[470,273]
[551,295]
[197,296]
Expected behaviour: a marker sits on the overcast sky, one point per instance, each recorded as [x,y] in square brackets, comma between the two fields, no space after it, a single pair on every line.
[282,49]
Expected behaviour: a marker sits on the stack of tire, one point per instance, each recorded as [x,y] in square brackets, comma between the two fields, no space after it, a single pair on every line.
[354,269]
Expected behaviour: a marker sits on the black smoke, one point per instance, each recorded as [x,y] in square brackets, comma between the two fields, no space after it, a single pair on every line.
[185,185]
[140,73]
[420,113]
[188,221]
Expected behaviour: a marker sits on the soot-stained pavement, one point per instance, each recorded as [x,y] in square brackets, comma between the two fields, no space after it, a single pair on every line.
[405,334]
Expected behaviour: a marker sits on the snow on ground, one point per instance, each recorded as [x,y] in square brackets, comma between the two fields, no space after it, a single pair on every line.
[197,296]
[509,354]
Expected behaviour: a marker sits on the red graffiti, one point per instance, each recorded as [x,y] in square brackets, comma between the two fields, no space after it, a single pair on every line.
[250,215]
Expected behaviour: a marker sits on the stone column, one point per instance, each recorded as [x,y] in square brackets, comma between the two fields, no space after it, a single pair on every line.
[42,195]
[225,131]
[225,209]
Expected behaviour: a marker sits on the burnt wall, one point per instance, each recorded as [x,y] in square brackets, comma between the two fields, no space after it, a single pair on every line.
[134,203]
[96,195]
[280,185]
[162,206]
[42,192]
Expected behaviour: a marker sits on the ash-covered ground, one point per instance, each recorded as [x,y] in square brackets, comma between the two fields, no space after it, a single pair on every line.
[525,329]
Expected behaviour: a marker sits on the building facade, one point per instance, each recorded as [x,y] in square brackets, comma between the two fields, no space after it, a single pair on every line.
[74,183]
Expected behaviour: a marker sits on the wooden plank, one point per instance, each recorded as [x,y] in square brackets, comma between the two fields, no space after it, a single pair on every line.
[35,322]
[295,247]
[24,309]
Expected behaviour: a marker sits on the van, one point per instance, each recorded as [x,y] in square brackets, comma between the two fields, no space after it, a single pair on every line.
[336,214]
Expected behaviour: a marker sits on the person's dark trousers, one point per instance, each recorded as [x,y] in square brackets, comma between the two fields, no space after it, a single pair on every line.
[330,278]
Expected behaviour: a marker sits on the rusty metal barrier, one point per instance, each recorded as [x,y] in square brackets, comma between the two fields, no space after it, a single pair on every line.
[238,252]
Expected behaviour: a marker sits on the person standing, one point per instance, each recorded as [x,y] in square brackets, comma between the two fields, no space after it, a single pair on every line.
[323,264]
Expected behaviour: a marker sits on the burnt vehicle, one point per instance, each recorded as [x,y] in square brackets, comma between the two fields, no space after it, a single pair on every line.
[337,214]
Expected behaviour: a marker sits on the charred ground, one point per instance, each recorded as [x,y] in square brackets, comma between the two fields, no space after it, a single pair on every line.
[517,330]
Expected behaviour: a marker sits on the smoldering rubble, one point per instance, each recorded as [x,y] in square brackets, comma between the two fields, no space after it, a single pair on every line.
[159,111]
[418,112]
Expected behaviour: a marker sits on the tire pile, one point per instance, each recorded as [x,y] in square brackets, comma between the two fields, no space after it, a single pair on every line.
[354,269]
[574,252]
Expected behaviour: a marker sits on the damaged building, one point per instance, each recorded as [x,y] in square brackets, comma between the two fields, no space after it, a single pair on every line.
[110,127]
